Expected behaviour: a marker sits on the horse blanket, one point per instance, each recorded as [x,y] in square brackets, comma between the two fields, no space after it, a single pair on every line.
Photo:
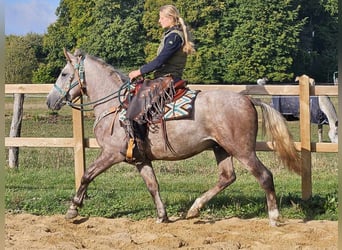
[288,106]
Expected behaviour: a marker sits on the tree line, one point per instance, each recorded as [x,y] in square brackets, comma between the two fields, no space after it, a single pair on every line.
[237,41]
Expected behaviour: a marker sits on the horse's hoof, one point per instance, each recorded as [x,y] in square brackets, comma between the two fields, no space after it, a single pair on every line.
[72,213]
[273,223]
[274,218]
[162,220]
[192,213]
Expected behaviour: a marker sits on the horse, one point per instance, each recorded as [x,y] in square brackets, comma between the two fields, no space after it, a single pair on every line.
[328,109]
[222,121]
[322,112]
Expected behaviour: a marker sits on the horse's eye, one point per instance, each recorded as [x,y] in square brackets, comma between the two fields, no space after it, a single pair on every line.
[64,74]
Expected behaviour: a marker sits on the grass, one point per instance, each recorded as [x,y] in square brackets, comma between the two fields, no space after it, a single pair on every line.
[44,182]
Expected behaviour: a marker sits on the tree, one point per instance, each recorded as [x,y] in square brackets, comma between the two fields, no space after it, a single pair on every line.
[21,58]
[22,54]
[116,34]
[59,35]
[317,54]
[205,20]
[237,41]
[263,42]
[107,29]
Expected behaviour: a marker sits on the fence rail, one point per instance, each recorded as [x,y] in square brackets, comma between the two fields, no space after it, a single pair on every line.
[79,142]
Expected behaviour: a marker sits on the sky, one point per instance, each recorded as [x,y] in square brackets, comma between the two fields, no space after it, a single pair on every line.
[26,16]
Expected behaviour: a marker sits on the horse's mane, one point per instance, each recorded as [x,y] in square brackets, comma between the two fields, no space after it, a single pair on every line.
[115,73]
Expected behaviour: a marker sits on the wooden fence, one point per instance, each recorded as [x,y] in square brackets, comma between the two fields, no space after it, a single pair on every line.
[79,142]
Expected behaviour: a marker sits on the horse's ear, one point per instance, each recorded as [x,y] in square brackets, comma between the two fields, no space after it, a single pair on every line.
[312,81]
[66,55]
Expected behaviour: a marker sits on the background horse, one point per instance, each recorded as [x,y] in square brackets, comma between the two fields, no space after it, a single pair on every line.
[222,121]
[322,112]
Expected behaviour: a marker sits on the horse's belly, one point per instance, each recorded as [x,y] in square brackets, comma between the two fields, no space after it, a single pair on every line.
[183,142]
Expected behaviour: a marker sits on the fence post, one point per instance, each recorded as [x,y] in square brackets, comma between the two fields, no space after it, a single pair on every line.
[15,130]
[305,136]
[79,147]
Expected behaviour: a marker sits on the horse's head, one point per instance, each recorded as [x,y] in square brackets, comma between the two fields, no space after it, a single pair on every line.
[333,133]
[70,82]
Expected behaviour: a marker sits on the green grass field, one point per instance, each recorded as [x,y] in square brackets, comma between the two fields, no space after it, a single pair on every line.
[44,182]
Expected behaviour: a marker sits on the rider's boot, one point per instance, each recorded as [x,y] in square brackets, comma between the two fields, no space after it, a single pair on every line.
[128,146]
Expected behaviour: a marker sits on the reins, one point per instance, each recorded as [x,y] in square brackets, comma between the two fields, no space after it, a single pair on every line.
[115,94]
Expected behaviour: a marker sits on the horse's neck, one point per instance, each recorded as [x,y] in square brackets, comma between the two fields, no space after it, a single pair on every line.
[328,109]
[101,84]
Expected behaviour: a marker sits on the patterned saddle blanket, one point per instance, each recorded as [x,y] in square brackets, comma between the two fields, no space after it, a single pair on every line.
[181,108]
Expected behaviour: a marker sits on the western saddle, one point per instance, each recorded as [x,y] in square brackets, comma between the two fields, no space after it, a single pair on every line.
[144,107]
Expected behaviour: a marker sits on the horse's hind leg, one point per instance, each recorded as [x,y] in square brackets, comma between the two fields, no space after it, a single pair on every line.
[265,179]
[147,173]
[226,177]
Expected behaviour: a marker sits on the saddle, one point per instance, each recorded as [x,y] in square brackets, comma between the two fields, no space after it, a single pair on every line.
[146,107]
[150,96]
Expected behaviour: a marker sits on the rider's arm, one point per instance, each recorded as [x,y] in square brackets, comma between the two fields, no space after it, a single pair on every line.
[172,44]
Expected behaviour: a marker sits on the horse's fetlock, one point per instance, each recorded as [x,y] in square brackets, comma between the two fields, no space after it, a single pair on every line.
[77,202]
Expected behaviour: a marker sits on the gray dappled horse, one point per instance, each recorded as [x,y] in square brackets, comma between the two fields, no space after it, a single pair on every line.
[222,121]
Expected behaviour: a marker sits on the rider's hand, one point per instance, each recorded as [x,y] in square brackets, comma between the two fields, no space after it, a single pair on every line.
[133,74]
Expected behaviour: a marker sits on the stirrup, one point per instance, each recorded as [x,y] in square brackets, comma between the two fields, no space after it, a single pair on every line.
[129,152]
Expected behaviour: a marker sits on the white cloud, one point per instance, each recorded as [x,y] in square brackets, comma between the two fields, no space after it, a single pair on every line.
[22,17]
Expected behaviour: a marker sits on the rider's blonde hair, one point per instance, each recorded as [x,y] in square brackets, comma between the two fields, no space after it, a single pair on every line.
[172,11]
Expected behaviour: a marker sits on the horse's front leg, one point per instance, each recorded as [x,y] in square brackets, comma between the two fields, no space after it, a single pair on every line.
[147,173]
[102,163]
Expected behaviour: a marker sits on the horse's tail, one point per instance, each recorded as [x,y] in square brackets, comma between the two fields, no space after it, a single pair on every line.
[275,127]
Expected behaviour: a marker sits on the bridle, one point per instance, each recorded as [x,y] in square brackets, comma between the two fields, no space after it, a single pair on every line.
[79,76]
[80,82]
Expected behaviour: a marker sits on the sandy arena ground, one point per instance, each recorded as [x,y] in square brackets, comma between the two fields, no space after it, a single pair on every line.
[25,231]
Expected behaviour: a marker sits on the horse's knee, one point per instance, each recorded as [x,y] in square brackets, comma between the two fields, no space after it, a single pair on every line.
[232,178]
[225,181]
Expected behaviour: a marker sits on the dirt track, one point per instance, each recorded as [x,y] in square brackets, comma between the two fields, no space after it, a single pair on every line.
[25,231]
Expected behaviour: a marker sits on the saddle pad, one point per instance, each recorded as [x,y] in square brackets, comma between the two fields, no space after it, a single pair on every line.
[179,109]
[182,107]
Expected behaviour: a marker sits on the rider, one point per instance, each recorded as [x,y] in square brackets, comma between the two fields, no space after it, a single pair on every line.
[171,56]
[174,47]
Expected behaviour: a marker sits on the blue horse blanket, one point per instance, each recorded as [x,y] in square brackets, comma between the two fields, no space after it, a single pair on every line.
[288,106]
